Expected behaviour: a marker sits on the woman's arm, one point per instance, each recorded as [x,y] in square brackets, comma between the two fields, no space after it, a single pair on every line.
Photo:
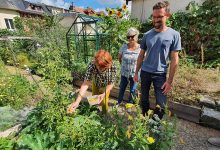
[108,89]
[82,91]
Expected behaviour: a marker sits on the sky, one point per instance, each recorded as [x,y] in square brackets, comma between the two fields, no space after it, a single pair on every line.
[58,3]
[97,5]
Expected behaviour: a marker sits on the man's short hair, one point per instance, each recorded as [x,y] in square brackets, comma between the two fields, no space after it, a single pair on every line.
[164,4]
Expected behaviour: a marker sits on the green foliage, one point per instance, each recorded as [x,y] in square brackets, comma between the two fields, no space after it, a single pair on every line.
[51,65]
[19,25]
[22,59]
[49,126]
[5,54]
[6,144]
[6,32]
[15,90]
[78,69]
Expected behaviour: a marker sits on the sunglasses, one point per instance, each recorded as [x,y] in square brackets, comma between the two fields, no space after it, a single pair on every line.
[128,37]
[158,17]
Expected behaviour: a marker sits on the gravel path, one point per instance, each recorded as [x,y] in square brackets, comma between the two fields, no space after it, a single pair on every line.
[192,136]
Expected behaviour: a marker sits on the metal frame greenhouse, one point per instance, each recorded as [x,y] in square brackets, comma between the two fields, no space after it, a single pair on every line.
[85,37]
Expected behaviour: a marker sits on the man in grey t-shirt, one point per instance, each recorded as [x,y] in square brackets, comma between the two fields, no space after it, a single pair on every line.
[158,46]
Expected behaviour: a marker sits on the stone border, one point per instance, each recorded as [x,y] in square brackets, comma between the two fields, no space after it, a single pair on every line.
[10,131]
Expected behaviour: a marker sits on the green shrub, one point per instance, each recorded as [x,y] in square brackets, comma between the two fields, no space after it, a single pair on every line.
[22,59]
[6,144]
[15,90]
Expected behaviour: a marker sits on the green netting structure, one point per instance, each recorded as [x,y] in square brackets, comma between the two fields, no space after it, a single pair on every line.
[85,37]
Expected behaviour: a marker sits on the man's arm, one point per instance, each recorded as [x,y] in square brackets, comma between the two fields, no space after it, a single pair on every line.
[173,66]
[139,63]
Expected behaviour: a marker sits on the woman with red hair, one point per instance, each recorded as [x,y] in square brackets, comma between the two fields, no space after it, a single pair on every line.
[101,72]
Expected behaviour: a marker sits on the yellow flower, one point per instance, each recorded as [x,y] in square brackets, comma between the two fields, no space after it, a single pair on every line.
[151,140]
[124,6]
[110,12]
[158,106]
[150,112]
[164,122]
[130,117]
[129,105]
[128,134]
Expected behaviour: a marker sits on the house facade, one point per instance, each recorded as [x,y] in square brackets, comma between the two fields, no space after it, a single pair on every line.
[142,9]
[9,9]
[26,8]
[7,19]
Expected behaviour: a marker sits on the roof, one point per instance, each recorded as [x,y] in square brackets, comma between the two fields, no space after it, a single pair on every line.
[77,9]
[13,4]
[69,14]
[87,18]
[23,5]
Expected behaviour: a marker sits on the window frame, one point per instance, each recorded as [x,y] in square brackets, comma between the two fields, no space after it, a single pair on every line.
[9,23]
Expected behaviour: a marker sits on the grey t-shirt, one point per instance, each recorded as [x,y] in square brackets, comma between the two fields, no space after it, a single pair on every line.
[129,60]
[158,46]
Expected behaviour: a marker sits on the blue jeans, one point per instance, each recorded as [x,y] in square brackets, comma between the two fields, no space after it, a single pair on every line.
[158,80]
[123,85]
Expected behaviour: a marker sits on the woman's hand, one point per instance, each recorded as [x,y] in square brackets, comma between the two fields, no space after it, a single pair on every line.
[72,107]
[101,97]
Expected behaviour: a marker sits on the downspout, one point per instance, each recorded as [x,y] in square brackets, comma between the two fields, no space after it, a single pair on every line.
[142,11]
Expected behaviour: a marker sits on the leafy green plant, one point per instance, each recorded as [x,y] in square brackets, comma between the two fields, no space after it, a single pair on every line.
[6,144]
[50,127]
[15,90]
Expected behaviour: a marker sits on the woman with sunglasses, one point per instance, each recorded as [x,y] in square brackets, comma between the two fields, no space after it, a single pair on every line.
[101,73]
[128,55]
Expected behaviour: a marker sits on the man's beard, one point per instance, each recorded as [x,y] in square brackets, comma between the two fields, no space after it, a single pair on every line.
[158,25]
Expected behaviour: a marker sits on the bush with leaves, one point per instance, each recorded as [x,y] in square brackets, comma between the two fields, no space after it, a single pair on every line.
[15,90]
[6,144]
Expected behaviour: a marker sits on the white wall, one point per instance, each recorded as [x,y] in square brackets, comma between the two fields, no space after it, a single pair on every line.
[9,14]
[142,9]
[67,21]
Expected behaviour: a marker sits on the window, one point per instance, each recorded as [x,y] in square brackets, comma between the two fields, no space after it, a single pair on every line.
[9,23]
